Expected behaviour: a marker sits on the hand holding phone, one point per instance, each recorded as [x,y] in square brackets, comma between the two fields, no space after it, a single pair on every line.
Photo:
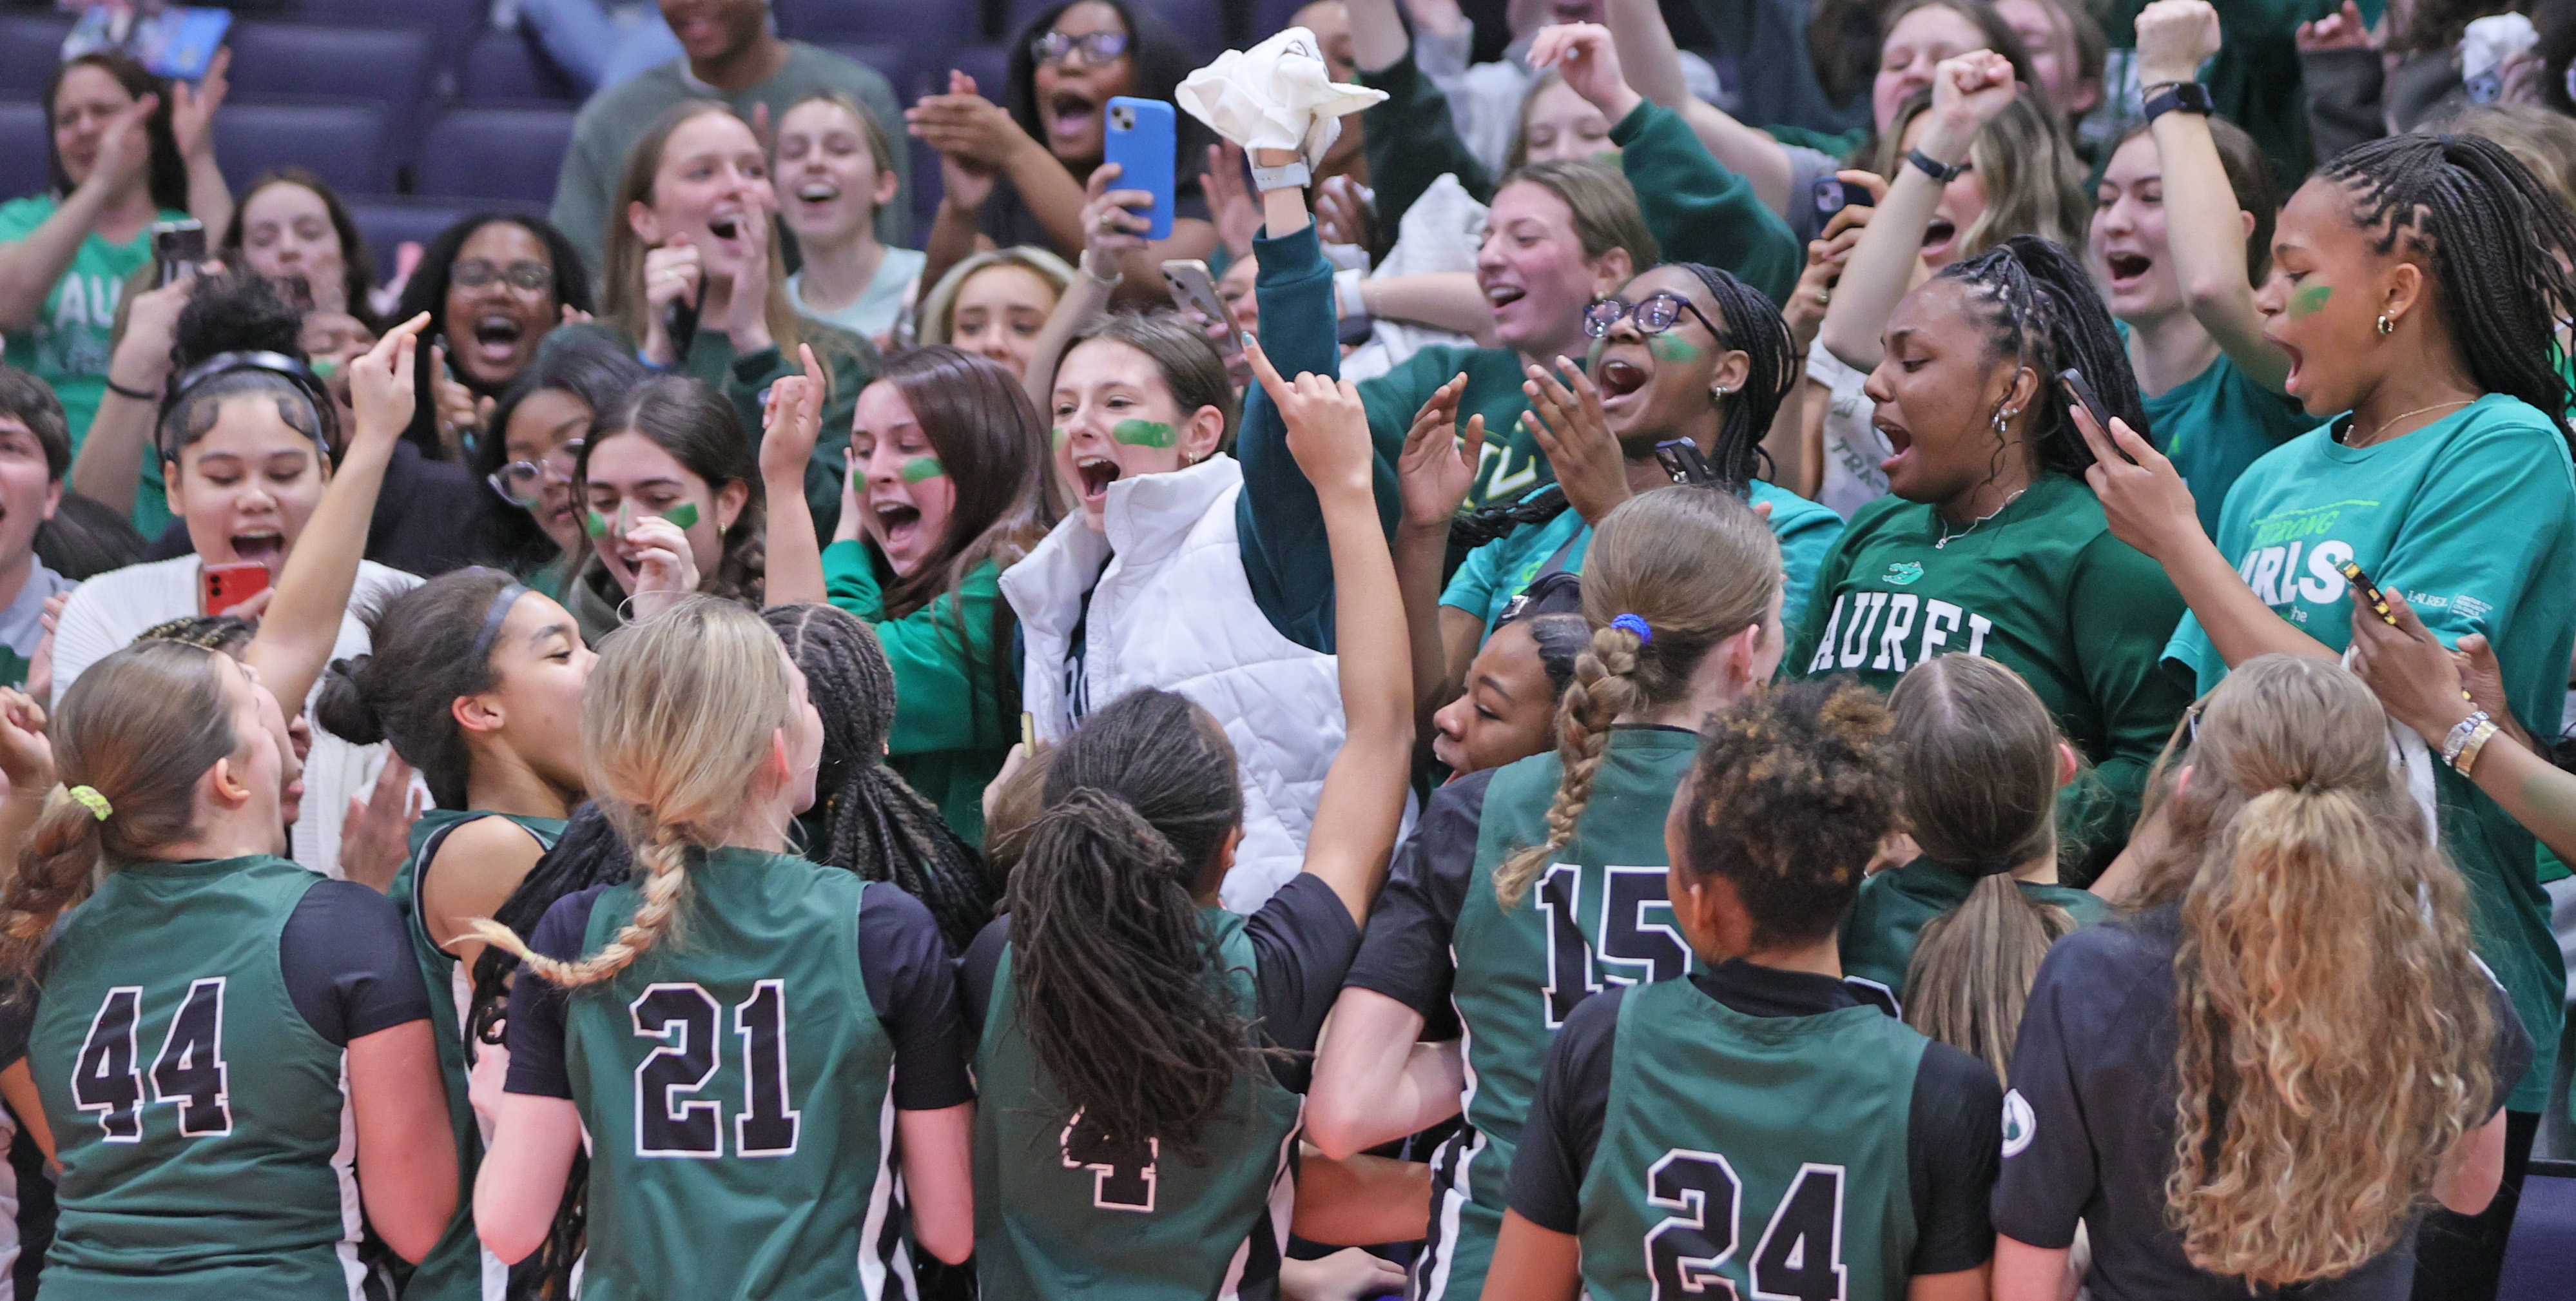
[2369,592]
[1833,194]
[229,586]
[1192,288]
[1142,140]
[177,247]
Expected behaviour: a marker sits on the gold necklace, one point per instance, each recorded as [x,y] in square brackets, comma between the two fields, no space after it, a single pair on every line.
[2384,424]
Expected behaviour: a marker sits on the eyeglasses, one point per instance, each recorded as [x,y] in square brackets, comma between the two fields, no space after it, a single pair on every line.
[1653,316]
[523,483]
[474,273]
[1097,47]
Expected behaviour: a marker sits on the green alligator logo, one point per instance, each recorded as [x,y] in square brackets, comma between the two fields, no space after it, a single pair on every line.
[1904,572]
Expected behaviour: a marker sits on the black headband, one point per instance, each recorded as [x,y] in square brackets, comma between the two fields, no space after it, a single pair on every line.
[326,413]
[502,600]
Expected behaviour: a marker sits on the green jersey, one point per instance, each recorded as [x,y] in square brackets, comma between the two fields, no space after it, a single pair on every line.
[457,1267]
[1719,1122]
[734,1083]
[201,1119]
[1512,464]
[1894,906]
[1063,1211]
[1596,915]
[2215,424]
[75,332]
[2473,519]
[2040,587]
[1501,569]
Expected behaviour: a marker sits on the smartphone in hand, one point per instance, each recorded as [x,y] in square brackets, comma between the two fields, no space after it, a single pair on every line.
[1143,140]
[224,587]
[1194,289]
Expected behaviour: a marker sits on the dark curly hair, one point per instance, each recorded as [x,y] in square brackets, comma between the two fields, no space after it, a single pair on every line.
[1791,793]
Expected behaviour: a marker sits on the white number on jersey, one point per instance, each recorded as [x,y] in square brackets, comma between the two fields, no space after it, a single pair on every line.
[670,1120]
[1633,948]
[189,1071]
[1800,1256]
[1122,1174]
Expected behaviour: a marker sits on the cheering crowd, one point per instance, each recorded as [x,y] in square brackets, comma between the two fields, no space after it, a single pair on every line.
[1492,680]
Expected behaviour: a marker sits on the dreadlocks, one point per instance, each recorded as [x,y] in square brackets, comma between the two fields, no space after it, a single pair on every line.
[875,824]
[2042,309]
[1750,324]
[2493,236]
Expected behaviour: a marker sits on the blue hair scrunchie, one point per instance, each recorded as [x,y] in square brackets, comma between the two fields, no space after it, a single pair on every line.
[1636,623]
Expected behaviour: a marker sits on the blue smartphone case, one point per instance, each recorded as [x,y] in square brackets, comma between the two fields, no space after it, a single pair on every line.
[1142,140]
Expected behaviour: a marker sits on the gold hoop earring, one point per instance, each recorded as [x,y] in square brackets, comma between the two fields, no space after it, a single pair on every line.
[2386,325]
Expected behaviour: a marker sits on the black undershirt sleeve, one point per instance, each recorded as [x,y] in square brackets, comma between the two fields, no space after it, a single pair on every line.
[1405,954]
[348,963]
[912,985]
[536,1026]
[976,969]
[1565,1117]
[1302,943]
[1953,1140]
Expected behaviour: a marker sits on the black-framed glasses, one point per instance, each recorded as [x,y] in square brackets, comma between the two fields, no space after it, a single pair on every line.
[1097,47]
[1653,316]
[523,483]
[474,273]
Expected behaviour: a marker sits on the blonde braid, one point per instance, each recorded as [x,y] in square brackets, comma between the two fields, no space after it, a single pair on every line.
[664,861]
[1604,688]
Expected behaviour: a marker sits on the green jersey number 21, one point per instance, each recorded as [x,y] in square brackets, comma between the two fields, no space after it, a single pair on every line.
[188,1072]
[670,1119]
[1800,1255]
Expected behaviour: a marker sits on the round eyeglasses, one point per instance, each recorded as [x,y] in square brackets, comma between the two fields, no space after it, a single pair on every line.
[1097,47]
[1653,316]
[523,483]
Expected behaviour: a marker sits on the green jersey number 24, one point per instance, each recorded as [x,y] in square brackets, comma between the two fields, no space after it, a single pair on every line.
[1801,1252]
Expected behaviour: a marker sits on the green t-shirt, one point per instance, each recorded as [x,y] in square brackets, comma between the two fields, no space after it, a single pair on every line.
[2473,519]
[1512,463]
[2215,424]
[2043,589]
[1496,572]
[1894,906]
[950,732]
[69,345]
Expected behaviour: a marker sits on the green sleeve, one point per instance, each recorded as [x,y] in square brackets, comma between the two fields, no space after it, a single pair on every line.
[1698,210]
[1838,143]
[944,678]
[1411,141]
[2121,608]
[1819,599]
[1472,588]
[745,382]
[2451,545]
[1279,524]
[1806,537]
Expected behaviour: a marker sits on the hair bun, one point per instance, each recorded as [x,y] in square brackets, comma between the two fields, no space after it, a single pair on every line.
[343,708]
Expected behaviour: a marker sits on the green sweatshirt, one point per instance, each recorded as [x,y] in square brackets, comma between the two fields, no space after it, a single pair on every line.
[950,731]
[2473,520]
[745,381]
[2043,589]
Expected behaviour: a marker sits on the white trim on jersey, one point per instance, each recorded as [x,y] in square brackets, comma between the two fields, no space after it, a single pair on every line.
[353,1214]
[878,1266]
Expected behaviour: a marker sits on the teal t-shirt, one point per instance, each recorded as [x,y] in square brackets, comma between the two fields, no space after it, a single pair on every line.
[1496,572]
[69,345]
[2218,422]
[2473,519]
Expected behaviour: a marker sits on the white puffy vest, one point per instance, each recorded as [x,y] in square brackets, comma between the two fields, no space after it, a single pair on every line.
[1170,608]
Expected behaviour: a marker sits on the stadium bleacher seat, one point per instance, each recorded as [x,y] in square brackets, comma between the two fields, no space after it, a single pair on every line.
[386,224]
[891,61]
[989,65]
[2540,1257]
[297,62]
[341,143]
[1270,15]
[23,148]
[30,46]
[935,25]
[505,69]
[494,153]
[454,21]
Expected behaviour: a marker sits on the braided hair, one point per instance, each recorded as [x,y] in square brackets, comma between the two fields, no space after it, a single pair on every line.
[1749,323]
[2040,308]
[2492,236]
[873,823]
[1107,945]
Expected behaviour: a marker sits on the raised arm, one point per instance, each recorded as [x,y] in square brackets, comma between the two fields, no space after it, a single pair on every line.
[788,430]
[1364,792]
[1654,66]
[109,465]
[2205,225]
[192,122]
[1967,92]
[1433,477]
[303,619]
[1086,297]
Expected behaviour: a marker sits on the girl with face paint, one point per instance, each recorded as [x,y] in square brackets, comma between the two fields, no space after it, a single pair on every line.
[668,492]
[948,487]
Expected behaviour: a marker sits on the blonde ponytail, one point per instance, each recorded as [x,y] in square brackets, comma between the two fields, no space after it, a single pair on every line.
[677,714]
[1973,966]
[1670,574]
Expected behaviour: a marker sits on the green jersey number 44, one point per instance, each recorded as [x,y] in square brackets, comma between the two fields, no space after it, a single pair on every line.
[188,1072]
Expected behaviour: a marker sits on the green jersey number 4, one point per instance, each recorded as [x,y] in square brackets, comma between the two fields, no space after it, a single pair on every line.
[189,1071]
[670,1119]
[1800,1255]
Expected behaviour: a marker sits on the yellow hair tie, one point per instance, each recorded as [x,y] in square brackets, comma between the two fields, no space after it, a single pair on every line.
[89,798]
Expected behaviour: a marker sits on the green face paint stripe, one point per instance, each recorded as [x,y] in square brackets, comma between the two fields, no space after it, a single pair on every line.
[2310,300]
[1143,433]
[1059,435]
[684,515]
[1667,347]
[595,523]
[923,467]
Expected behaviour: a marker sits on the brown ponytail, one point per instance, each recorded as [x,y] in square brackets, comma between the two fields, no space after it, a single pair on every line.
[1696,566]
[140,727]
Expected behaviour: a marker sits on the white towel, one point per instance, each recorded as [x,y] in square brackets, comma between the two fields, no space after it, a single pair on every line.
[1276,95]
